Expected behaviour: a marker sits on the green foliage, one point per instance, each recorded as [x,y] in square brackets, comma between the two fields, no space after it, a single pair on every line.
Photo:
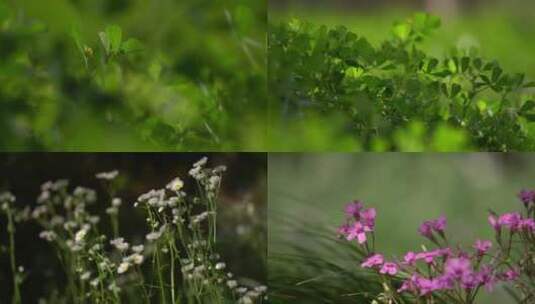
[458,102]
[132,75]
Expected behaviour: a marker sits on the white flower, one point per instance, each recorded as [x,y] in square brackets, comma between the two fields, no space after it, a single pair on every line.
[48,235]
[261,288]
[116,202]
[120,244]
[175,185]
[232,284]
[112,210]
[108,175]
[85,276]
[220,266]
[43,197]
[94,282]
[201,162]
[80,235]
[123,267]
[153,236]
[137,248]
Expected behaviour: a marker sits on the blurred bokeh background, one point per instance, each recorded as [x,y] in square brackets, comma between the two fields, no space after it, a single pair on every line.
[241,219]
[501,29]
[307,193]
[195,68]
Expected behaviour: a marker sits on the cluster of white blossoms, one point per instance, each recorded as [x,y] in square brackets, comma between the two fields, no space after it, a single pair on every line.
[6,199]
[111,175]
[181,226]
[135,258]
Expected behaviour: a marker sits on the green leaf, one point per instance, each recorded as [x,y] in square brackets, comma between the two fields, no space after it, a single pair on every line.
[527,106]
[354,72]
[402,31]
[131,45]
[496,72]
[455,89]
[465,61]
[114,35]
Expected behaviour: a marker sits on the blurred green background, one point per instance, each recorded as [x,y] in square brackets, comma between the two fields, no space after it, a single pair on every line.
[241,207]
[191,76]
[307,193]
[501,30]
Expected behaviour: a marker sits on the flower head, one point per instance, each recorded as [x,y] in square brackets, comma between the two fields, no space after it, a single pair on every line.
[375,260]
[527,197]
[482,246]
[389,268]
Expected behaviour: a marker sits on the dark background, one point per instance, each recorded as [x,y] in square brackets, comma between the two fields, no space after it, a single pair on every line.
[243,187]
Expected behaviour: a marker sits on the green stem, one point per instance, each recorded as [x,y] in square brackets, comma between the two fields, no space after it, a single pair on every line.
[11,231]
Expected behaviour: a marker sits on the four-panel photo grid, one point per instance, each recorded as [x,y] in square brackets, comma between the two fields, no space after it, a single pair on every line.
[267,151]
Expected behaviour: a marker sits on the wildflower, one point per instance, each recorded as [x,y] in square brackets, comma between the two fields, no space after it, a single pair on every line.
[428,227]
[116,202]
[527,224]
[511,220]
[48,235]
[85,276]
[374,260]
[137,248]
[389,268]
[175,185]
[107,175]
[510,275]
[458,267]
[410,258]
[123,267]
[120,244]
[353,209]
[482,246]
[527,197]
[232,284]
[220,266]
[493,221]
[80,235]
[357,231]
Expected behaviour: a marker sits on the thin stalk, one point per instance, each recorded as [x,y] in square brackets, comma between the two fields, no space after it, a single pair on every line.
[11,232]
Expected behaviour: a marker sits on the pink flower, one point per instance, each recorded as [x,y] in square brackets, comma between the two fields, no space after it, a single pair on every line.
[367,217]
[374,260]
[486,277]
[482,246]
[527,197]
[438,225]
[493,220]
[510,275]
[527,224]
[357,231]
[458,267]
[426,229]
[511,220]
[410,258]
[389,268]
[352,209]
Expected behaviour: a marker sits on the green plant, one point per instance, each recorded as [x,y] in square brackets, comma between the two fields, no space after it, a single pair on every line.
[131,76]
[381,90]
[176,260]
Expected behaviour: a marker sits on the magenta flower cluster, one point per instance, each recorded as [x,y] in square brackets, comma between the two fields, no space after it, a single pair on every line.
[453,273]
[359,222]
